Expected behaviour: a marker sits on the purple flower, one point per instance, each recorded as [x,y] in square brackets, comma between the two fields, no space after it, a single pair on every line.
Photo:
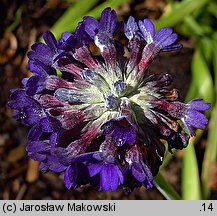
[122,131]
[103,31]
[139,170]
[106,171]
[165,38]
[42,55]
[193,118]
[190,114]
[94,168]
[104,120]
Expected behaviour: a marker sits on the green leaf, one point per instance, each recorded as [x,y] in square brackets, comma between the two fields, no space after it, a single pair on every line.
[111,3]
[69,20]
[206,47]
[165,188]
[168,156]
[212,8]
[190,175]
[75,13]
[194,27]
[210,155]
[214,45]
[181,10]
[202,84]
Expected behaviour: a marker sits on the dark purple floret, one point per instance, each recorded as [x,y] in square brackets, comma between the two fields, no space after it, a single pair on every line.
[193,117]
[44,53]
[122,131]
[76,175]
[110,175]
[164,38]
[99,118]
[37,150]
[35,85]
[29,111]
[106,28]
[131,28]
[137,167]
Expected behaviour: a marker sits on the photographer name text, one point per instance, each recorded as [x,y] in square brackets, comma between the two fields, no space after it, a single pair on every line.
[70,207]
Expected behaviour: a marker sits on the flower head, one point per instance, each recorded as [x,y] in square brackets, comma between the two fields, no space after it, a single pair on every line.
[103,121]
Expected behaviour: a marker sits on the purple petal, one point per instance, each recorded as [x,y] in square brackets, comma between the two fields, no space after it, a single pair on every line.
[94,169]
[143,174]
[39,68]
[91,26]
[130,28]
[69,176]
[53,139]
[42,53]
[38,146]
[45,125]
[62,155]
[137,172]
[81,36]
[35,85]
[119,136]
[50,40]
[165,37]
[43,167]
[19,100]
[131,135]
[199,104]
[106,177]
[108,127]
[172,47]
[64,38]
[115,178]
[54,165]
[196,119]
[118,27]
[147,172]
[31,116]
[108,20]
[34,133]
[36,156]
[147,28]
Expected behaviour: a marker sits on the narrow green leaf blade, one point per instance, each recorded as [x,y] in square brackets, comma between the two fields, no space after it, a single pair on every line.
[176,14]
[165,188]
[69,20]
[214,45]
[210,155]
[75,13]
[190,175]
[111,3]
[202,83]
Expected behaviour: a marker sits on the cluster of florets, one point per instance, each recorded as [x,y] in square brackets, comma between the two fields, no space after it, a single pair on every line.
[100,117]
